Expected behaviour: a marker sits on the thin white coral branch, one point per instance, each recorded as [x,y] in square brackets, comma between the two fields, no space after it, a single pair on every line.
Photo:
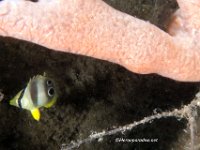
[186,112]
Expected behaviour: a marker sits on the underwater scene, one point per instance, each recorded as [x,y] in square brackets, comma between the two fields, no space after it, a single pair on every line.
[54,100]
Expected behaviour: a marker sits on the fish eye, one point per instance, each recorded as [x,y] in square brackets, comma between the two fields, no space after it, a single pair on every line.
[49,82]
[51,92]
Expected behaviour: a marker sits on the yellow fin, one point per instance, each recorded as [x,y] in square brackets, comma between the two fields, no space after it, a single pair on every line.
[13,101]
[36,114]
[48,105]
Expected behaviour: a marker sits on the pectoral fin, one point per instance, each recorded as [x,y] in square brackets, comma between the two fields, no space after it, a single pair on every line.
[36,114]
[51,103]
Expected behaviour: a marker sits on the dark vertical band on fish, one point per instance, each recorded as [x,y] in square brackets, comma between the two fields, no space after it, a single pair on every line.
[20,98]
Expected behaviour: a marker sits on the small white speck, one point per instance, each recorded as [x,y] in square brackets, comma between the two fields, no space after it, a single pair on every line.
[1,96]
[100,139]
[198,103]
[198,95]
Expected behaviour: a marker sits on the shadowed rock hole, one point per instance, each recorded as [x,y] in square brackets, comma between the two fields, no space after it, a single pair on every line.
[33,0]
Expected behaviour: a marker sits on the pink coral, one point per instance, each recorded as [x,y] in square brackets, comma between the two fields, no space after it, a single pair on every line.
[95,29]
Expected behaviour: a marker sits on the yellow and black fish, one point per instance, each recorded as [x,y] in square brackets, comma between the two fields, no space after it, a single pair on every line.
[40,91]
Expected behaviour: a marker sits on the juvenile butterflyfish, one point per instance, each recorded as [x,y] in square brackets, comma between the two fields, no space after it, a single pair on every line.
[39,92]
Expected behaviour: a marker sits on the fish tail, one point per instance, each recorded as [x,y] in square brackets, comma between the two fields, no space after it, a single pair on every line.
[13,101]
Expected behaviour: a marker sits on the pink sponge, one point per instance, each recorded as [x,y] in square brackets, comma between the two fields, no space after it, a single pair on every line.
[95,29]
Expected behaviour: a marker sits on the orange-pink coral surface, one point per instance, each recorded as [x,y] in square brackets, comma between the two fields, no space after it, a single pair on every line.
[93,28]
